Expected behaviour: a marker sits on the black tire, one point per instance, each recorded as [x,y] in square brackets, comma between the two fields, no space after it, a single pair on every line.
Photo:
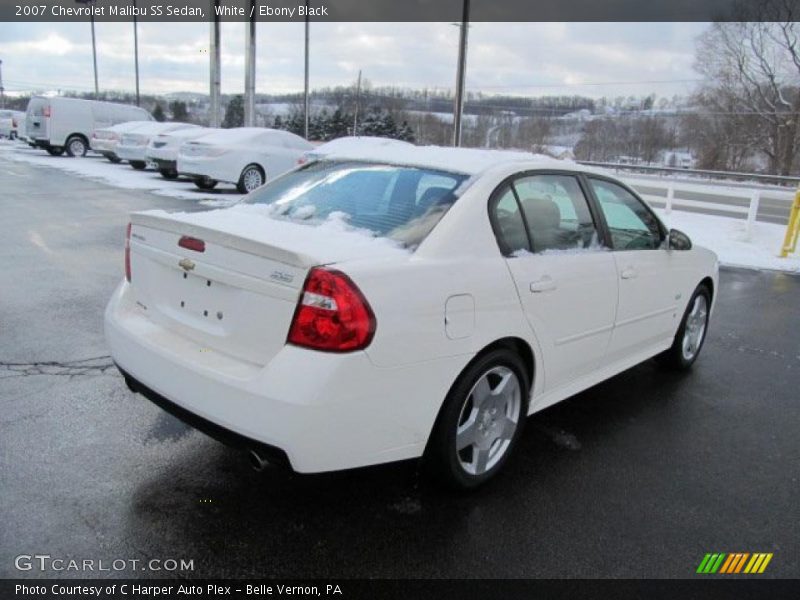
[168,173]
[77,145]
[139,165]
[675,357]
[114,159]
[443,463]
[205,183]
[250,173]
[55,150]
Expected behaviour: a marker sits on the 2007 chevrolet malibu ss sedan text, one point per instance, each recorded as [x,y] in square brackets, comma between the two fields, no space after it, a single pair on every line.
[416,302]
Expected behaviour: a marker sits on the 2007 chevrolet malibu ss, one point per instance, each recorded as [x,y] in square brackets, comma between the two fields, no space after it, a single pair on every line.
[416,302]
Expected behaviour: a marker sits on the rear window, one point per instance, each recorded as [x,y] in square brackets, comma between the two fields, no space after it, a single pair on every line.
[400,203]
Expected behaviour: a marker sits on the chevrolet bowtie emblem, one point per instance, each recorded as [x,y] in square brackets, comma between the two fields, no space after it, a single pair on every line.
[186,264]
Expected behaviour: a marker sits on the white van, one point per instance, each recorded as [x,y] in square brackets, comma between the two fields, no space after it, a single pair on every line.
[58,124]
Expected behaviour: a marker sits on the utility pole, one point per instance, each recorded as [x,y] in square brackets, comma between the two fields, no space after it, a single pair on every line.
[458,108]
[305,90]
[214,62]
[250,70]
[2,89]
[136,51]
[358,101]
[94,46]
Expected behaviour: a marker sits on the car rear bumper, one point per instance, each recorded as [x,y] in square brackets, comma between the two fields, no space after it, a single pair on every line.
[161,164]
[129,153]
[325,411]
[204,167]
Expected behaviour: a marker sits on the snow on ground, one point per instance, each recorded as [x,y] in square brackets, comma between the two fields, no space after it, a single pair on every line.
[122,175]
[728,238]
[725,236]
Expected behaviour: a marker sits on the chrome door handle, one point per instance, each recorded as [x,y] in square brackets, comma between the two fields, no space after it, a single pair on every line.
[629,273]
[545,284]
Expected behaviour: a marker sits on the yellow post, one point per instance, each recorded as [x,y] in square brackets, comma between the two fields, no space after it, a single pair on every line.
[792,229]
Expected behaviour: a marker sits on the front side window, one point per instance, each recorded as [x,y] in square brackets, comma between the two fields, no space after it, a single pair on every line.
[400,203]
[556,213]
[631,224]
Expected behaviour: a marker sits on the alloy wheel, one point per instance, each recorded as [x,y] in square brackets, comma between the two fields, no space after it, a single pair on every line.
[695,328]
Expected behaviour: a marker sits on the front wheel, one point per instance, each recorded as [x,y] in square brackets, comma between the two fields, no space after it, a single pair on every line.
[139,165]
[691,334]
[168,173]
[55,150]
[480,422]
[77,146]
[252,177]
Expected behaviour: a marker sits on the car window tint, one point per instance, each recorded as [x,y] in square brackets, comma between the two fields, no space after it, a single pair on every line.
[557,213]
[383,199]
[508,223]
[631,225]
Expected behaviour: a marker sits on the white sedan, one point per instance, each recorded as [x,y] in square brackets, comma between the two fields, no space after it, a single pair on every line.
[244,156]
[416,302]
[133,143]
[162,151]
[105,141]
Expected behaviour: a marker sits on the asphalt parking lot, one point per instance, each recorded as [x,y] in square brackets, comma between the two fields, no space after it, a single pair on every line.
[637,477]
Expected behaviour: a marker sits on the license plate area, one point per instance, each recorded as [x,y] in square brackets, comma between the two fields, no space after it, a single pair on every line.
[199,299]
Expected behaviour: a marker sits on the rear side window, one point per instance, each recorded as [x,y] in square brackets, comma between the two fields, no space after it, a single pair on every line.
[544,213]
[400,203]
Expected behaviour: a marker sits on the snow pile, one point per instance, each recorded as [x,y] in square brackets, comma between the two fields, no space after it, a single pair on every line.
[728,238]
[330,240]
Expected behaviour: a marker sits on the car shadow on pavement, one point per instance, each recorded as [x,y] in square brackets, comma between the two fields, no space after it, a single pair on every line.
[379,521]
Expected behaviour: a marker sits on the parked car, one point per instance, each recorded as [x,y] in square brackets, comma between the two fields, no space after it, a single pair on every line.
[359,144]
[163,148]
[10,121]
[421,302]
[104,141]
[245,156]
[58,124]
[133,143]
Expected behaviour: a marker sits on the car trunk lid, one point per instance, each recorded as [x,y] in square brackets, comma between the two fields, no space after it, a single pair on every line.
[229,280]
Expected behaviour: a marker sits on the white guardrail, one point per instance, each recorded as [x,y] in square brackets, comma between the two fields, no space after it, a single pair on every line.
[674,190]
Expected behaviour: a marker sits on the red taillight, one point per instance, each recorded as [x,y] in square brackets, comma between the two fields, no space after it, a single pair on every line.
[191,243]
[46,112]
[13,122]
[302,160]
[128,253]
[332,314]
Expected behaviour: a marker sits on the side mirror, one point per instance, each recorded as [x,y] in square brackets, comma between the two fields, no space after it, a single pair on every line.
[679,240]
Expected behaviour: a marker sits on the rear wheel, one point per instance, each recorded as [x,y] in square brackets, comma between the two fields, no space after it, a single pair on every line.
[691,334]
[114,158]
[168,173]
[480,422]
[77,146]
[139,165]
[205,183]
[252,177]
[55,150]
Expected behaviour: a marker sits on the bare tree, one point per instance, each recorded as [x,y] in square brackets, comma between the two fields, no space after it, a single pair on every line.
[756,62]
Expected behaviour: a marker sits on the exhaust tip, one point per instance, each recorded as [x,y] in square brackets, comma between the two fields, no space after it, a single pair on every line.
[257,461]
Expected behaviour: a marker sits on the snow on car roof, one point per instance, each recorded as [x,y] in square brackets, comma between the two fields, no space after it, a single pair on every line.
[469,161]
[156,127]
[126,126]
[240,134]
[359,143]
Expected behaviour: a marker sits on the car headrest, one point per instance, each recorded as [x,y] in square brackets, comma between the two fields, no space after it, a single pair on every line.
[542,213]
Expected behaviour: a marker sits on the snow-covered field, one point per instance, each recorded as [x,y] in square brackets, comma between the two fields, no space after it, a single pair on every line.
[725,236]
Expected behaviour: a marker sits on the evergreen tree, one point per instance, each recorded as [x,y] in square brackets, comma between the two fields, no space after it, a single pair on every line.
[178,110]
[278,123]
[234,113]
[158,113]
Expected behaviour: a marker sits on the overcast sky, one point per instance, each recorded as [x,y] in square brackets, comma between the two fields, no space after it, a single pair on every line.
[517,58]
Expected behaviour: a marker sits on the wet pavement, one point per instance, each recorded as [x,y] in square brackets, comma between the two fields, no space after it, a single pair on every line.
[637,477]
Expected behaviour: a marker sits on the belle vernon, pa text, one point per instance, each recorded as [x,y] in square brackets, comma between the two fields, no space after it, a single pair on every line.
[179,590]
